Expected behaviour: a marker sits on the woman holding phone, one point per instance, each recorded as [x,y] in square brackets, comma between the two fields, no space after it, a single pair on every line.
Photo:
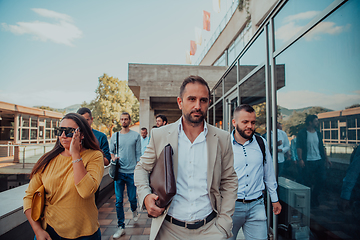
[71,173]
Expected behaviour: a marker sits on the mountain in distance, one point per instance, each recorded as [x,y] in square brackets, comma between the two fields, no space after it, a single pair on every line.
[285,112]
[72,108]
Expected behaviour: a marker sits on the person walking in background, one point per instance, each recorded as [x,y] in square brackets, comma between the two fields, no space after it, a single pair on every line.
[253,175]
[71,172]
[125,147]
[144,140]
[206,182]
[283,148]
[101,137]
[312,157]
[161,120]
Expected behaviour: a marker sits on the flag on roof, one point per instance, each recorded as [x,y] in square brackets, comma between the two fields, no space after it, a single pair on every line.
[192,47]
[216,6]
[206,21]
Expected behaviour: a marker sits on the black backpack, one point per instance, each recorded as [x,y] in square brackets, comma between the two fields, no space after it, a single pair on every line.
[262,147]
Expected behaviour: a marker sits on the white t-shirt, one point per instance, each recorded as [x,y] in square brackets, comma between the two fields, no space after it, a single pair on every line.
[313,152]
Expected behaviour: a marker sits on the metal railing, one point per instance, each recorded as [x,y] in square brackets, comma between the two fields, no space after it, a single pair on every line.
[33,149]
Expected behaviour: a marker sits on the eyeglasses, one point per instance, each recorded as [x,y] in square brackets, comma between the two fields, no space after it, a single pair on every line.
[69,131]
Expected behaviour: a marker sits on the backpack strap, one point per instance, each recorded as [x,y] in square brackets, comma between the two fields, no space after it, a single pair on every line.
[262,147]
[117,143]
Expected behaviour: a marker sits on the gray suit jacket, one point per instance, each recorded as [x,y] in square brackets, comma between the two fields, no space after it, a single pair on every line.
[222,181]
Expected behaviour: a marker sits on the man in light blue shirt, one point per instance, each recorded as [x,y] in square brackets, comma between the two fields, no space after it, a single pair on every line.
[125,147]
[253,174]
[144,140]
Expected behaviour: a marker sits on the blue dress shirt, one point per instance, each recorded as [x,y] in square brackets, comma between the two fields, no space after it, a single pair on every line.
[252,174]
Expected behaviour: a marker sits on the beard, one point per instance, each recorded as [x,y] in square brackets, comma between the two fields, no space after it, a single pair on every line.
[192,119]
[243,134]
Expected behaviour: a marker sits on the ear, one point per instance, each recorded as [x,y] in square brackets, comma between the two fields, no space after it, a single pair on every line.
[234,123]
[179,102]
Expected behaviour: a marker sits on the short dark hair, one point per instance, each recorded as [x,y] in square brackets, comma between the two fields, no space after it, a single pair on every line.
[245,107]
[126,113]
[163,117]
[143,128]
[84,110]
[193,79]
[310,118]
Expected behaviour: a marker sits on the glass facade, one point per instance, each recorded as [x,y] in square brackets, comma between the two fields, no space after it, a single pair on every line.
[308,64]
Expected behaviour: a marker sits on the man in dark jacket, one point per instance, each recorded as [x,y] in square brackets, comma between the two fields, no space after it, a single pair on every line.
[312,156]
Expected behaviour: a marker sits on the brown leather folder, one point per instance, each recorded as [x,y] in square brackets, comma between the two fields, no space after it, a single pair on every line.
[162,178]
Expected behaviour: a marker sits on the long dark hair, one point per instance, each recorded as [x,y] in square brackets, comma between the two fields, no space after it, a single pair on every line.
[89,142]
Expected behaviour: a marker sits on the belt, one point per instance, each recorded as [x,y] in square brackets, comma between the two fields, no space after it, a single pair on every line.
[194,225]
[248,201]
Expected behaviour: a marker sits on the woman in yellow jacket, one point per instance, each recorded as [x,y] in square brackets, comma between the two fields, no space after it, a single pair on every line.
[71,173]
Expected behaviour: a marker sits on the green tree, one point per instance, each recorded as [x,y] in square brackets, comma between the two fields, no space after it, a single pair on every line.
[112,98]
[297,119]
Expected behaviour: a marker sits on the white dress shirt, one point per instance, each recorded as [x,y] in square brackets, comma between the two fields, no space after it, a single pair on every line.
[285,145]
[191,201]
[252,174]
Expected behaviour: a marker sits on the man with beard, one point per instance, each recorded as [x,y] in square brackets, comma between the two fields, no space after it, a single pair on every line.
[253,174]
[206,183]
[161,120]
[125,147]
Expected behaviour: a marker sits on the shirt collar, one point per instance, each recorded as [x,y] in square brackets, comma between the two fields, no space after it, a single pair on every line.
[235,142]
[181,127]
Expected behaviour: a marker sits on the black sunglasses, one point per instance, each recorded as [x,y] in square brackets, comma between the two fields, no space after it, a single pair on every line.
[69,131]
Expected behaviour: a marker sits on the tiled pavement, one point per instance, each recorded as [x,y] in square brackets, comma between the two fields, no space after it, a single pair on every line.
[139,230]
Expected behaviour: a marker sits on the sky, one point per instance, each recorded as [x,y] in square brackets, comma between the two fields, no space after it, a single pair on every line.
[53,52]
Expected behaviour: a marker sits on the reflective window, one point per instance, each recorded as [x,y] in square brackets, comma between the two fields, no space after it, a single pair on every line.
[33,134]
[253,90]
[322,78]
[218,91]
[219,115]
[220,61]
[230,78]
[294,16]
[34,122]
[25,134]
[211,116]
[25,122]
[253,56]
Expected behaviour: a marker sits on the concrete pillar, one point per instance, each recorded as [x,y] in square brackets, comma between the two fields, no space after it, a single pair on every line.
[144,113]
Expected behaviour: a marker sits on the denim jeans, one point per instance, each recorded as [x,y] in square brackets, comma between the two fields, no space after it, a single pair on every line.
[128,179]
[252,218]
[55,236]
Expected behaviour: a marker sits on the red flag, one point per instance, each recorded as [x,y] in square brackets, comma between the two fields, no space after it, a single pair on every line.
[206,21]
[192,47]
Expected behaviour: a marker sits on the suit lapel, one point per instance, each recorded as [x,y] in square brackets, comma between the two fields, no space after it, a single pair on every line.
[172,137]
[212,142]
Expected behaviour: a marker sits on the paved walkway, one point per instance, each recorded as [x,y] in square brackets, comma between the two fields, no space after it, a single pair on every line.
[139,230]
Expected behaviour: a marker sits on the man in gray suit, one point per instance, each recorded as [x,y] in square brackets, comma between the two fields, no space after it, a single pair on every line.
[203,167]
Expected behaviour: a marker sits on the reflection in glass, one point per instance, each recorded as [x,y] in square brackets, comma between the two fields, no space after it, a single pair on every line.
[253,90]
[211,116]
[254,56]
[322,78]
[230,78]
[25,134]
[219,115]
[218,91]
[294,16]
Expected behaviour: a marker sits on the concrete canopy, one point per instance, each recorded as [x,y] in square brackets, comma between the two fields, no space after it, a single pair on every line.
[157,87]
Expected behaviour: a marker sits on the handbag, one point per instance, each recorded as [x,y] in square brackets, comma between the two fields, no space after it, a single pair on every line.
[162,178]
[38,203]
[115,165]
[114,169]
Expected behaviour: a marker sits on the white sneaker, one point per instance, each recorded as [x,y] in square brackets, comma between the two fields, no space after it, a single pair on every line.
[135,215]
[119,232]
